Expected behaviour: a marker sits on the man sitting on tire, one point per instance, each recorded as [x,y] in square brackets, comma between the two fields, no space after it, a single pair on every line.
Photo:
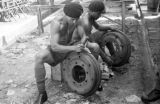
[64,31]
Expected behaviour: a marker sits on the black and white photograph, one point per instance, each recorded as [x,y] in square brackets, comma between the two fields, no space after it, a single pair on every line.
[79,51]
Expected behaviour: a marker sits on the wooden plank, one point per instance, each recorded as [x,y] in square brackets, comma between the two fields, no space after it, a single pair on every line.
[19,6]
[48,6]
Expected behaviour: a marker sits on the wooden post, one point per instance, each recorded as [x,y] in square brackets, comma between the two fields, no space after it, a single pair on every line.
[123,15]
[4,42]
[51,4]
[40,24]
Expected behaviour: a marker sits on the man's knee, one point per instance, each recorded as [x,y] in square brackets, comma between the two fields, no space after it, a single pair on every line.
[39,57]
[93,45]
[96,47]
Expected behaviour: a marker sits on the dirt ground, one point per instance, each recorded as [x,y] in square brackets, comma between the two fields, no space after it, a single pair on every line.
[17,84]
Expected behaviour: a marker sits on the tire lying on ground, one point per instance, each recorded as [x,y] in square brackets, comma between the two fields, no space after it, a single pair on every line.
[114,44]
[81,73]
[118,45]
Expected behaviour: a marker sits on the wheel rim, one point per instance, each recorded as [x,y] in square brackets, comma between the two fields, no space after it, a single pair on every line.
[80,73]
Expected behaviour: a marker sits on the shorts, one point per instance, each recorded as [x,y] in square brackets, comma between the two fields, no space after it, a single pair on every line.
[58,57]
[96,37]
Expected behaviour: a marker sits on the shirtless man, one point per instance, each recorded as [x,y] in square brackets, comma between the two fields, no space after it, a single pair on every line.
[88,21]
[63,32]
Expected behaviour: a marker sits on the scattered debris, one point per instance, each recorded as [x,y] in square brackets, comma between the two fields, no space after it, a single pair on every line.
[105,84]
[3,51]
[71,96]
[133,47]
[16,73]
[21,40]
[27,86]
[57,103]
[3,71]
[21,46]
[10,92]
[9,81]
[24,90]
[133,99]
[14,85]
[71,101]
[107,73]
[86,102]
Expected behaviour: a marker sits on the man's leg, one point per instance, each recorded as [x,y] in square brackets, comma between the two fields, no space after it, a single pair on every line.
[107,61]
[40,73]
[106,72]
[105,58]
[97,38]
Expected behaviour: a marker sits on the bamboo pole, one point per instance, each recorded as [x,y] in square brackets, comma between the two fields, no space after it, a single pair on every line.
[39,15]
[123,15]
[51,4]
[40,23]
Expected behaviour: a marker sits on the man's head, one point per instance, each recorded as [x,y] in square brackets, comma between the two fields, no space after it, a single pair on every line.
[73,11]
[96,8]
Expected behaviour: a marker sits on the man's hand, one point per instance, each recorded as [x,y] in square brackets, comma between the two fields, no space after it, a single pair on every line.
[84,40]
[79,47]
[93,46]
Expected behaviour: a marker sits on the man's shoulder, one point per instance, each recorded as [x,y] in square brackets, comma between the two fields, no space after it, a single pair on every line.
[81,21]
[58,23]
[55,20]
[61,20]
[84,20]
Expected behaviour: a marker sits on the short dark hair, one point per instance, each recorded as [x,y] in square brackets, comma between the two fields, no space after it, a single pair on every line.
[96,6]
[73,10]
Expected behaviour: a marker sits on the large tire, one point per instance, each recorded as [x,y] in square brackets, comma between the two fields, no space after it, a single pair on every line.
[81,73]
[118,41]
[118,37]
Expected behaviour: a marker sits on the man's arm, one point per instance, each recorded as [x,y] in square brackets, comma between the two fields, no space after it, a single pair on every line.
[99,27]
[82,33]
[84,37]
[55,46]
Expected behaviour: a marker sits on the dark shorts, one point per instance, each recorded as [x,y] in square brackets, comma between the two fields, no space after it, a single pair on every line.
[96,37]
[58,57]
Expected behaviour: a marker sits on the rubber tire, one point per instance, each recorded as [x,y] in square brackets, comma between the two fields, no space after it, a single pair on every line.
[97,75]
[99,36]
[122,57]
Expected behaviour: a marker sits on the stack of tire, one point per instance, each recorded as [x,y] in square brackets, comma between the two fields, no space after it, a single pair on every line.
[118,44]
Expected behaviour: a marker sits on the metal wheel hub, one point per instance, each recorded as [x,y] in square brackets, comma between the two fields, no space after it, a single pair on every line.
[81,73]
[119,47]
